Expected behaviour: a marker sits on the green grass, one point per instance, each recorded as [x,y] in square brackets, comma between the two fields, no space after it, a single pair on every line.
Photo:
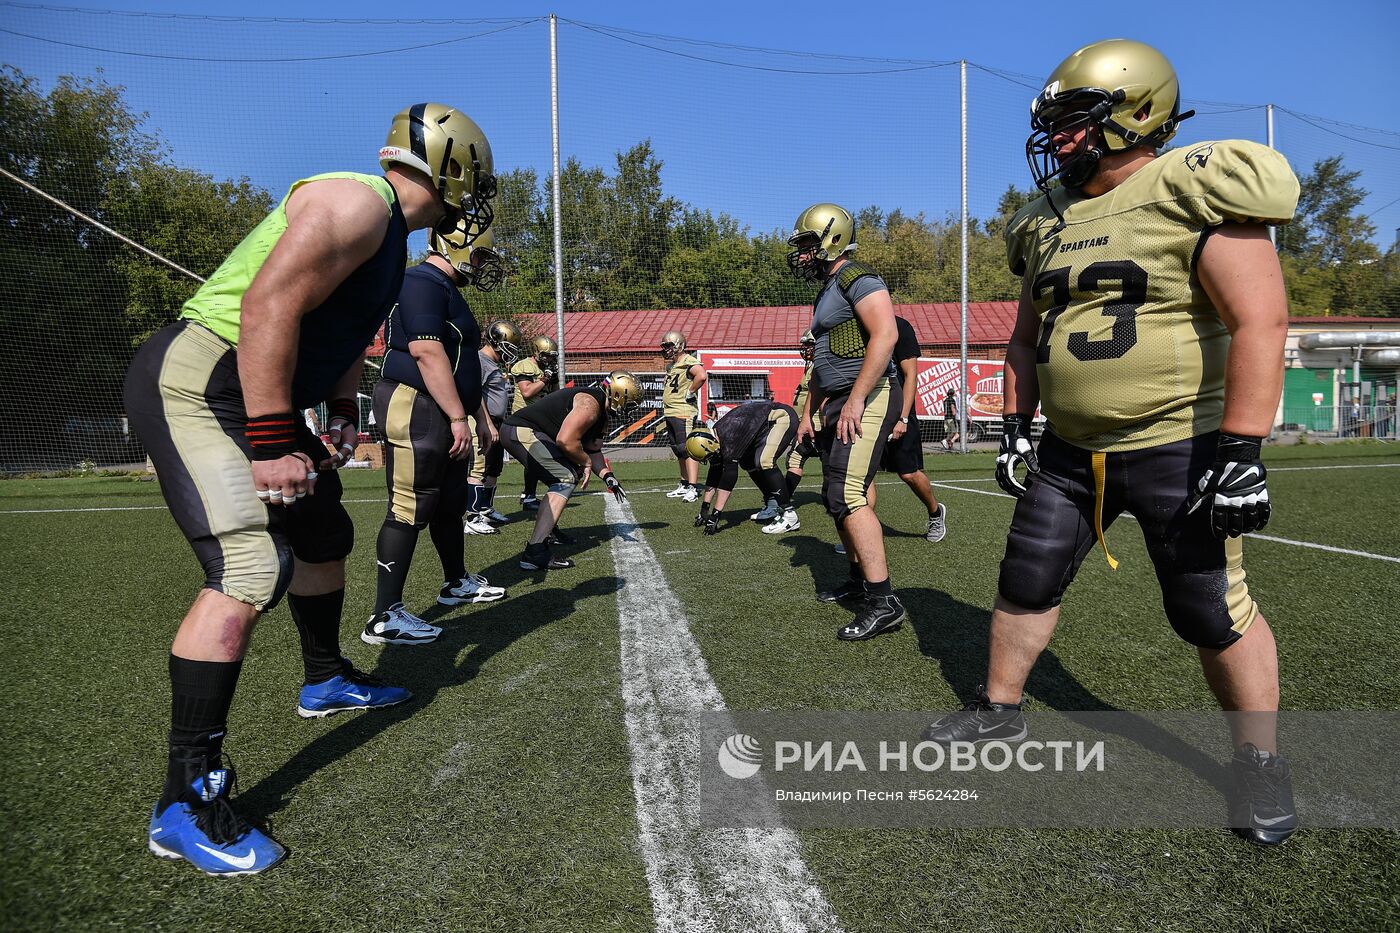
[500,798]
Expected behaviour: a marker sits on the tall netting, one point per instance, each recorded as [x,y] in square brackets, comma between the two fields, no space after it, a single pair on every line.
[181,132]
[684,166]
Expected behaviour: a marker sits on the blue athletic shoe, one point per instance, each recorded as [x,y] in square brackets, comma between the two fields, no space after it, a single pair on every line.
[209,834]
[348,691]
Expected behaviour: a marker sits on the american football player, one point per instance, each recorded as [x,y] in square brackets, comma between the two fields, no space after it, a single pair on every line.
[756,435]
[1150,330]
[797,460]
[534,377]
[680,390]
[499,351]
[431,382]
[904,454]
[560,440]
[854,387]
[281,326]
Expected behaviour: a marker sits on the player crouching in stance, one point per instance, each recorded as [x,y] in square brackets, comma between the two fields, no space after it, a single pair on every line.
[854,387]
[432,382]
[756,435]
[1151,330]
[279,327]
[559,440]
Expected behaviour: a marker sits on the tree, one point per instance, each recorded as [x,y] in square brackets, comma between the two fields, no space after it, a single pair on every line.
[1329,261]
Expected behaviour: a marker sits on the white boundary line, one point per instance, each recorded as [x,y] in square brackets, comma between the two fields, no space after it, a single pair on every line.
[700,880]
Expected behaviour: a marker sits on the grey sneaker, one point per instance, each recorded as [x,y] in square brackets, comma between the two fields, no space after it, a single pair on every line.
[938,524]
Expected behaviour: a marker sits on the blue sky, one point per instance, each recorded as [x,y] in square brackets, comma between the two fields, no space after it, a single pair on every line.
[758,141]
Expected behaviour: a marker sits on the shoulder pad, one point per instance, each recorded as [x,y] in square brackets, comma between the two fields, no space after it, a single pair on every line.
[526,367]
[1235,180]
[851,272]
[1021,232]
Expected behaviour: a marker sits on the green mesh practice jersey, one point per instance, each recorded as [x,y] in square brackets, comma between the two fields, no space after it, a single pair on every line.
[1131,352]
[677,387]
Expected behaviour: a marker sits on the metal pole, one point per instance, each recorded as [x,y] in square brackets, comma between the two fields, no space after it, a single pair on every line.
[1269,141]
[558,209]
[101,226]
[962,328]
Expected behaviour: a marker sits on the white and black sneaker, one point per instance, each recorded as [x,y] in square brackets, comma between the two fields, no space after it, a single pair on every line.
[879,615]
[473,588]
[938,524]
[475,523]
[1261,802]
[495,517]
[785,522]
[397,626]
[679,492]
[768,512]
[979,721]
[690,494]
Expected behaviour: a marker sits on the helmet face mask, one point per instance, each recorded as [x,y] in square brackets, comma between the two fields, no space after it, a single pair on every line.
[624,393]
[807,346]
[546,352]
[1122,94]
[672,345]
[449,148]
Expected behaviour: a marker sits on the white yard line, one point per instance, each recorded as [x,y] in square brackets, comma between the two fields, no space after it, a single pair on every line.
[700,879]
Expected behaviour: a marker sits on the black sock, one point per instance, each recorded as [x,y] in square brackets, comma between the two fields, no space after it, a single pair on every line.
[446,531]
[318,624]
[488,498]
[792,480]
[882,588]
[200,695]
[393,555]
[532,485]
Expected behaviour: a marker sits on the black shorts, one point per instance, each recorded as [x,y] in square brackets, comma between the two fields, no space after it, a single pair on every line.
[847,469]
[679,429]
[905,455]
[424,482]
[772,444]
[1202,578]
[184,400]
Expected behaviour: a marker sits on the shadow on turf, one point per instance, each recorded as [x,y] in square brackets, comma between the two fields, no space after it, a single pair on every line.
[954,634]
[428,669]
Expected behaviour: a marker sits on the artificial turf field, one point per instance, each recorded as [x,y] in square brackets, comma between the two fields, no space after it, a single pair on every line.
[500,797]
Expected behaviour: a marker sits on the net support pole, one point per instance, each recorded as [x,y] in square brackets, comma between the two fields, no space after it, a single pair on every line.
[1269,141]
[962,274]
[558,208]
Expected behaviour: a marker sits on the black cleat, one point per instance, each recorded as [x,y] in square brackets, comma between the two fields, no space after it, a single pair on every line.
[979,721]
[1261,808]
[879,615]
[559,536]
[537,557]
[849,592]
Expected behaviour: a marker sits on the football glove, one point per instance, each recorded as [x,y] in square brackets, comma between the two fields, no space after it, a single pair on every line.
[615,487]
[1233,488]
[712,523]
[1016,448]
[807,447]
[704,514]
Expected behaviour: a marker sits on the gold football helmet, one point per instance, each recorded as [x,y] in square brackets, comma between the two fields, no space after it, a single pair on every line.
[506,338]
[545,351]
[672,344]
[1125,92]
[807,346]
[624,392]
[445,144]
[822,234]
[701,444]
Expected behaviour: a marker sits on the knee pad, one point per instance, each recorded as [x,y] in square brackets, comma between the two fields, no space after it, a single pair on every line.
[1203,619]
[562,489]
[679,451]
[1029,584]
[326,536]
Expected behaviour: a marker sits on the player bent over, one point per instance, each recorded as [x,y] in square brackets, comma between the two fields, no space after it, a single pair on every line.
[534,377]
[1151,331]
[560,441]
[431,382]
[757,436]
[281,326]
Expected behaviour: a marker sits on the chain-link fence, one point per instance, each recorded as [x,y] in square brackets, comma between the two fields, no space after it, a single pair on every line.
[683,163]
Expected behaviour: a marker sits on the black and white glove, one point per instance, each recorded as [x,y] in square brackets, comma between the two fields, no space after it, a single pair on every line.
[1016,449]
[712,523]
[614,487]
[704,514]
[1233,488]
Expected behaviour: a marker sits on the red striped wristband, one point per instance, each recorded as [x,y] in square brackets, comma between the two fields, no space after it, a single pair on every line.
[272,436]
